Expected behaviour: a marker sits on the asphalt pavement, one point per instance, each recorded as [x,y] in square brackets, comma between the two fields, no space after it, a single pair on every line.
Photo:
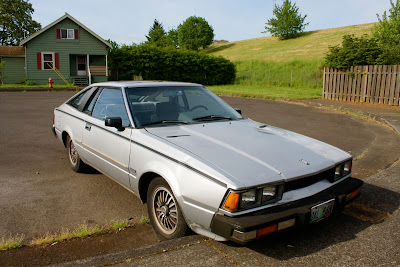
[367,233]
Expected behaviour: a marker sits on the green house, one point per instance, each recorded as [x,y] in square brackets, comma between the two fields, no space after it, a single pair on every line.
[65,50]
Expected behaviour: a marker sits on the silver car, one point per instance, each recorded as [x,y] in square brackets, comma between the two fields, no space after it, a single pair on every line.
[199,164]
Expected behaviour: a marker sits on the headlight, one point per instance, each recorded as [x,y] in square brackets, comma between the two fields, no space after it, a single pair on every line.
[343,169]
[247,199]
[236,201]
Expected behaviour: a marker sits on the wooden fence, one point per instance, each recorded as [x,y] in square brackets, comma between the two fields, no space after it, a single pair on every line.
[369,84]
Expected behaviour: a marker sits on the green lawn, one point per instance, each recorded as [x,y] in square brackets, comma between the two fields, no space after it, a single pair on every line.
[37,86]
[267,92]
[312,46]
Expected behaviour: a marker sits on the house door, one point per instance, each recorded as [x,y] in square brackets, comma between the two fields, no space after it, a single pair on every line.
[81,65]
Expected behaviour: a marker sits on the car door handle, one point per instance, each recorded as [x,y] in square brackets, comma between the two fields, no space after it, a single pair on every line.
[88,126]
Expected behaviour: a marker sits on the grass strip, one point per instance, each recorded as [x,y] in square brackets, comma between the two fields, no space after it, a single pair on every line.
[37,86]
[11,242]
[66,234]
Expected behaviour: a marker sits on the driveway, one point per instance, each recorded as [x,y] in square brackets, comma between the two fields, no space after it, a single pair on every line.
[39,193]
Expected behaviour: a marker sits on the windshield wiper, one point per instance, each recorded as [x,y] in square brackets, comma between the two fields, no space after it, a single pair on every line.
[212,117]
[165,122]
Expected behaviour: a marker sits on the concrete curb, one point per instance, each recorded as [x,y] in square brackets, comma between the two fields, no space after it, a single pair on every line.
[142,252]
[370,116]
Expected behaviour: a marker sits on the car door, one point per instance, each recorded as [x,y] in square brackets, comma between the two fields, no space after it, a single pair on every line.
[108,148]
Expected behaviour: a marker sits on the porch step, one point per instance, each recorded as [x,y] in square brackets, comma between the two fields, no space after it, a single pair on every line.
[81,81]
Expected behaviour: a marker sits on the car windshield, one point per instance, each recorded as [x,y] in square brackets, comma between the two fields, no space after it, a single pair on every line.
[162,106]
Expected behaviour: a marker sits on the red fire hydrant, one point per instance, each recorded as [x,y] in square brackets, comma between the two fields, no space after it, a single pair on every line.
[50,82]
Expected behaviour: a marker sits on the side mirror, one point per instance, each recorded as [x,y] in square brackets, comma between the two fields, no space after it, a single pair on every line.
[115,122]
[238,110]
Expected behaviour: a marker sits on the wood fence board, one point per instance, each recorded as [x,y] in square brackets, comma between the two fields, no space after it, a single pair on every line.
[330,83]
[378,84]
[363,88]
[397,90]
[333,84]
[354,85]
[346,85]
[348,97]
[359,84]
[383,85]
[341,89]
[368,84]
[387,87]
[324,83]
[392,85]
[373,88]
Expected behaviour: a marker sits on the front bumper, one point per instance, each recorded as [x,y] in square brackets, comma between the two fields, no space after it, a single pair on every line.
[247,227]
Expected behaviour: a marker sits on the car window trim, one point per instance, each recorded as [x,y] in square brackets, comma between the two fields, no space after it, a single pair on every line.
[95,95]
[101,88]
[88,94]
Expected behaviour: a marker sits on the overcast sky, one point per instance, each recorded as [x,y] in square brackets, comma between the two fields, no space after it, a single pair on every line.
[128,21]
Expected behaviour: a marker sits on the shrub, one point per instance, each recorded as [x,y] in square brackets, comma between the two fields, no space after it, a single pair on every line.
[22,81]
[30,82]
[354,51]
[159,63]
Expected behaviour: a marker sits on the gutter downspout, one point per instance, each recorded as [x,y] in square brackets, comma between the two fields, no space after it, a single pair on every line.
[26,65]
[106,66]
[88,68]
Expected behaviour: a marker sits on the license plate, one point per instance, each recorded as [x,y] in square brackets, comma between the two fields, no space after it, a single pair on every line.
[321,211]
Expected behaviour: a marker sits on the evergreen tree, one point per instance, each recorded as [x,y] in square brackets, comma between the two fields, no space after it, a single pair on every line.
[157,35]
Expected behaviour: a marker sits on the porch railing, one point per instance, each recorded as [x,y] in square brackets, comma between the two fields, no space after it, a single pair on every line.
[98,70]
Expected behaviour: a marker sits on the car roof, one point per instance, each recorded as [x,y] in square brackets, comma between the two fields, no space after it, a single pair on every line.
[144,84]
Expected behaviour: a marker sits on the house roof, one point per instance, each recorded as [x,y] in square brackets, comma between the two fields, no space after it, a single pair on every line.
[15,51]
[58,21]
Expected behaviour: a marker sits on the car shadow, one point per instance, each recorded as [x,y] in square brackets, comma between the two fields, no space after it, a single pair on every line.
[342,227]
[90,170]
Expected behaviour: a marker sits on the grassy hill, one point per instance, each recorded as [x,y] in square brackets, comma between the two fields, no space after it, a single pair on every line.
[270,68]
[312,46]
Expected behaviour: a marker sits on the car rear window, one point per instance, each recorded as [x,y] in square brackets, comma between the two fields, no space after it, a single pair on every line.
[77,100]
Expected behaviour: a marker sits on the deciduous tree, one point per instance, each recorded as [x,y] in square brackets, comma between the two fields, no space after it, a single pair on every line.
[195,33]
[387,32]
[16,21]
[288,22]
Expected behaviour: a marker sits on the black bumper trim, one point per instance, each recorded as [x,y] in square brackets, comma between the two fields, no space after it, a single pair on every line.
[300,210]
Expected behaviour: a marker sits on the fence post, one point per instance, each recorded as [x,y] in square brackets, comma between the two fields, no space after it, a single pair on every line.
[291,77]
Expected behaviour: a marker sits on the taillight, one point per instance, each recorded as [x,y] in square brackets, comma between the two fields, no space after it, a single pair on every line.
[53,117]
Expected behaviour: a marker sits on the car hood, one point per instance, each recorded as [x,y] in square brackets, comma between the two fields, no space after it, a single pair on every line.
[250,153]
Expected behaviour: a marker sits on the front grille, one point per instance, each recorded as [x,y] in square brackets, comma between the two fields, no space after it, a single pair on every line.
[307,181]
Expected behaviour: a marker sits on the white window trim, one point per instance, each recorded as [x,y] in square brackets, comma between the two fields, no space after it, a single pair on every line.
[73,33]
[53,61]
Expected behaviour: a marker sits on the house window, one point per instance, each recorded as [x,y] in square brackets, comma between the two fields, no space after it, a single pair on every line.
[67,34]
[47,61]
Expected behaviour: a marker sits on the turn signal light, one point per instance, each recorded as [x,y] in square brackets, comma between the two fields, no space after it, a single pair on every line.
[232,202]
[352,195]
[267,230]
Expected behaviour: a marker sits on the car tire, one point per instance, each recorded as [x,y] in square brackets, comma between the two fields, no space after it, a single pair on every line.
[167,220]
[74,159]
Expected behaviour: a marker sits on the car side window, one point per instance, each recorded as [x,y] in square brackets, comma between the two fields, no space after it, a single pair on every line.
[111,104]
[76,101]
